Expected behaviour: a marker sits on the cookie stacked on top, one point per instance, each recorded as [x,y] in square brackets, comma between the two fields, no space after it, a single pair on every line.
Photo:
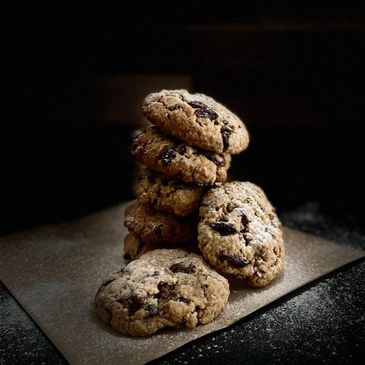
[186,151]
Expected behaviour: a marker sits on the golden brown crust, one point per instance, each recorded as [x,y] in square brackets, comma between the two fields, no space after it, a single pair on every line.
[166,194]
[152,226]
[198,120]
[240,234]
[163,288]
[178,160]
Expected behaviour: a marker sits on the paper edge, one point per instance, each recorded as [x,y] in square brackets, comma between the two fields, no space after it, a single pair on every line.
[70,359]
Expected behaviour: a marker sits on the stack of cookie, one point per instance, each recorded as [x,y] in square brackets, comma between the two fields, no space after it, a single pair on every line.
[181,200]
[188,150]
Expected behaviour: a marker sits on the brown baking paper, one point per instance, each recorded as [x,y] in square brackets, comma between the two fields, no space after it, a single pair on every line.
[55,271]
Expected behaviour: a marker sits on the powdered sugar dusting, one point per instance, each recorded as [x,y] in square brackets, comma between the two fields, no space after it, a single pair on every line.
[58,287]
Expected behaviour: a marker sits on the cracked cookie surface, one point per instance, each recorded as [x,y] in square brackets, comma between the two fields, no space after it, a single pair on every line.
[239,233]
[163,288]
[152,226]
[166,194]
[177,160]
[198,120]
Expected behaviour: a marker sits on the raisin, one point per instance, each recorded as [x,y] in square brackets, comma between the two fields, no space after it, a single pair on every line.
[167,155]
[203,111]
[226,133]
[151,309]
[235,261]
[178,267]
[158,231]
[223,228]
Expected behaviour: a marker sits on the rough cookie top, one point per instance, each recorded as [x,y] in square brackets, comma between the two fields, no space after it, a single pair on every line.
[166,194]
[152,226]
[240,233]
[163,288]
[177,160]
[197,119]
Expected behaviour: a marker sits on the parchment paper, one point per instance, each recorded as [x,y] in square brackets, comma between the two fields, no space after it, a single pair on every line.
[55,271]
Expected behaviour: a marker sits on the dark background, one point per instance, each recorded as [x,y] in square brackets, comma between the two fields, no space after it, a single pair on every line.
[295,74]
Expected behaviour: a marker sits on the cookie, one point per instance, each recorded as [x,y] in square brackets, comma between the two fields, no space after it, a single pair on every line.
[134,247]
[152,226]
[197,119]
[168,195]
[163,288]
[240,234]
[177,160]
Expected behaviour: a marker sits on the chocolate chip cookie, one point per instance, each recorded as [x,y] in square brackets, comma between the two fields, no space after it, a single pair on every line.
[163,288]
[152,226]
[198,120]
[178,160]
[240,234]
[166,194]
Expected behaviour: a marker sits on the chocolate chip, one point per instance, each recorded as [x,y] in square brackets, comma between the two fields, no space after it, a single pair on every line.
[151,179]
[226,133]
[203,111]
[206,113]
[127,256]
[179,267]
[158,231]
[184,300]
[164,181]
[181,149]
[178,186]
[218,160]
[133,304]
[182,97]
[151,309]
[197,105]
[223,228]
[244,221]
[174,107]
[165,290]
[167,155]
[235,261]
